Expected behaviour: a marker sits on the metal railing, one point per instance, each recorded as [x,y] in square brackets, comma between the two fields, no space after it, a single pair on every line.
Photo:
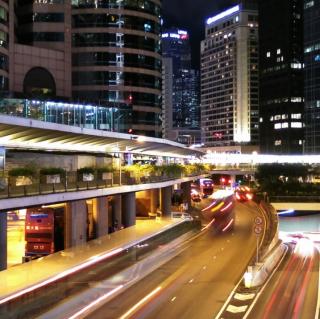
[295,199]
[72,183]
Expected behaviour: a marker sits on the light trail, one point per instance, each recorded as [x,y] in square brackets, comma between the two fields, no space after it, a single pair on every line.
[217,207]
[211,205]
[286,212]
[225,208]
[140,303]
[228,226]
[61,275]
[208,225]
[302,293]
[94,303]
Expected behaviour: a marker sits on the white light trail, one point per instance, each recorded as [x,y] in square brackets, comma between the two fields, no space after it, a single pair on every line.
[61,275]
[94,303]
[141,302]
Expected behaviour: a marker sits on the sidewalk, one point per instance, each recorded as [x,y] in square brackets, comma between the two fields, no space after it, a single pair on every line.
[19,280]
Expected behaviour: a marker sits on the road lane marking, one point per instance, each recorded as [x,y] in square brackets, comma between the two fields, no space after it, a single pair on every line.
[173,299]
[266,283]
[235,309]
[244,297]
[228,300]
[191,281]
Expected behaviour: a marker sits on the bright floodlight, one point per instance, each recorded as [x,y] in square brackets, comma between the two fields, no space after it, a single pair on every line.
[223,14]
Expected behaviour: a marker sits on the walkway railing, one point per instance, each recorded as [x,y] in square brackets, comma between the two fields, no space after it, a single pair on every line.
[295,199]
[71,183]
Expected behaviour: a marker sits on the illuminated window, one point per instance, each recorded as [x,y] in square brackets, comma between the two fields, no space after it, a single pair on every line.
[277,126]
[296,99]
[296,124]
[277,142]
[296,116]
[309,4]
[296,66]
[268,54]
[278,51]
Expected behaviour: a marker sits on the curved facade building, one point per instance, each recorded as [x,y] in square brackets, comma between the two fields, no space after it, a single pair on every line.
[43,23]
[4,47]
[116,58]
[44,28]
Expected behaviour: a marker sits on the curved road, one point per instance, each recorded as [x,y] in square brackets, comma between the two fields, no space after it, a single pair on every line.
[196,283]
[292,292]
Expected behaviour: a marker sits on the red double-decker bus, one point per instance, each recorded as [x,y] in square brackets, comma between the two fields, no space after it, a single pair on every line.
[43,231]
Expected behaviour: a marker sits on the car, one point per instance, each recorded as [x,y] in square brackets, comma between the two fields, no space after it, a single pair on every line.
[243,194]
[195,196]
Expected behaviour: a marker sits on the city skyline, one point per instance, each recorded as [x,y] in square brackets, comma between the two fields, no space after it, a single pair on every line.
[193,19]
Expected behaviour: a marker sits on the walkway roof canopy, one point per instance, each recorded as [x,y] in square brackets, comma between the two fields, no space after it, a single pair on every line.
[27,134]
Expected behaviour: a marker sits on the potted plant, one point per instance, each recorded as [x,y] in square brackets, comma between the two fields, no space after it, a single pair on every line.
[52,175]
[105,173]
[86,174]
[22,176]
[173,170]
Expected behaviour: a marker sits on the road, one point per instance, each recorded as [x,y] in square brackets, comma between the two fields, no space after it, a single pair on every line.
[292,292]
[196,283]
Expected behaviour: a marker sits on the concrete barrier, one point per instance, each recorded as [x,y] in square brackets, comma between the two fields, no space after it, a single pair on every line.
[258,274]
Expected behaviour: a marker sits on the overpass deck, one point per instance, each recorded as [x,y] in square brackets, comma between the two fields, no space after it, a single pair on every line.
[34,275]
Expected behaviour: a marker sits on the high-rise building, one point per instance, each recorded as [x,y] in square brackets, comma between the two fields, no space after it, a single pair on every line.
[312,75]
[281,76]
[103,53]
[180,101]
[4,48]
[229,78]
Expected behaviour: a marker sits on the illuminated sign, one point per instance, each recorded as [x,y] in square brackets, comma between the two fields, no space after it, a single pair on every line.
[223,14]
[180,34]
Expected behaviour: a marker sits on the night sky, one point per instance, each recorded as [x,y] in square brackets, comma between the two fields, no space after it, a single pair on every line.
[191,15]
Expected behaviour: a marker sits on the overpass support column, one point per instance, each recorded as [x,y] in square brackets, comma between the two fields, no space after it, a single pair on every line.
[116,212]
[154,200]
[129,209]
[186,188]
[76,222]
[232,179]
[100,216]
[3,241]
[165,203]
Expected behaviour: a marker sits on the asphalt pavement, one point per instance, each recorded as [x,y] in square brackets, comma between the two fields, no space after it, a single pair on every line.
[197,282]
[292,291]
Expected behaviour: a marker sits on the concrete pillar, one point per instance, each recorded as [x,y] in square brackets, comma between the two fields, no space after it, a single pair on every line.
[186,188]
[154,200]
[233,180]
[165,203]
[3,241]
[100,216]
[116,211]
[76,219]
[129,209]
